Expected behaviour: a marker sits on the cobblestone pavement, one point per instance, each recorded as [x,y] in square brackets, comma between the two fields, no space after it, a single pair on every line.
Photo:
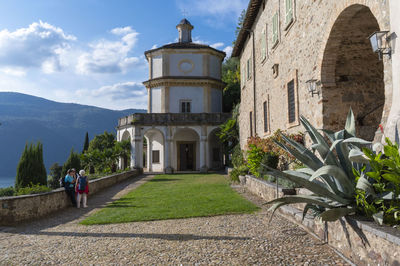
[246,239]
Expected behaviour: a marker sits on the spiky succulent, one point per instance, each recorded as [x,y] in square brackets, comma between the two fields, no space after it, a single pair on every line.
[328,176]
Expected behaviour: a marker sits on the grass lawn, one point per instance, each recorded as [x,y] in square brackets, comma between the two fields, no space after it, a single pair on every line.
[172,197]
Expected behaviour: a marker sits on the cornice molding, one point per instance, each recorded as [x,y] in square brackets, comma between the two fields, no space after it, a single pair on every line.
[184,81]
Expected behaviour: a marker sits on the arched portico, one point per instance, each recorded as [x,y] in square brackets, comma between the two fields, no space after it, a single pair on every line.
[124,161]
[186,149]
[155,149]
[352,74]
[215,153]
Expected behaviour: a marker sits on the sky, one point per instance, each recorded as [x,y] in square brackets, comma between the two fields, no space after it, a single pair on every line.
[92,51]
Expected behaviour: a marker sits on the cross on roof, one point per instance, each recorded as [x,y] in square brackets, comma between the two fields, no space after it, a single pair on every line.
[184,13]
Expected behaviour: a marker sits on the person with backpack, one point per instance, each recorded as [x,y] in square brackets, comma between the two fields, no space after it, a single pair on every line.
[82,189]
[69,185]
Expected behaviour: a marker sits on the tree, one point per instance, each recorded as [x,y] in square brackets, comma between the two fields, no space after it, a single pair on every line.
[240,23]
[86,144]
[102,142]
[229,133]
[54,176]
[73,161]
[31,169]
[231,76]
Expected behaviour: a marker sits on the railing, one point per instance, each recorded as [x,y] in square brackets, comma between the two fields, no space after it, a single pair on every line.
[174,118]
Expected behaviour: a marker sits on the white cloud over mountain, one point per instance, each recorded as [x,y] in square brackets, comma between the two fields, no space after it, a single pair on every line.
[106,56]
[40,45]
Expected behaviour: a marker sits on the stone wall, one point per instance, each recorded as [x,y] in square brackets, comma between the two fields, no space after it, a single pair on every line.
[27,207]
[380,244]
[307,48]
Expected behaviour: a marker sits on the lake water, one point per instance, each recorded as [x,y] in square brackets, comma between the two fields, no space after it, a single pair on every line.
[6,181]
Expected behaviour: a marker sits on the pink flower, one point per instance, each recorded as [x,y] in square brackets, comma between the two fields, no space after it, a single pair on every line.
[381,127]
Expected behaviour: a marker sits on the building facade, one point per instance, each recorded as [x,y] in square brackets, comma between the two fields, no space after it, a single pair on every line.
[184,109]
[287,45]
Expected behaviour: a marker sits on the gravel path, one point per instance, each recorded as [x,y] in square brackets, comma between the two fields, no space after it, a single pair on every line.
[246,239]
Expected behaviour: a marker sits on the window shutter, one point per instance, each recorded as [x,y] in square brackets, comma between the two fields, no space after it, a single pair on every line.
[265,106]
[243,71]
[291,102]
[289,11]
[263,45]
[188,107]
[275,28]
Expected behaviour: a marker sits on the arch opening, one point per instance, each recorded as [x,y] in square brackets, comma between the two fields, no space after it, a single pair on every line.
[186,150]
[215,151]
[352,75]
[153,150]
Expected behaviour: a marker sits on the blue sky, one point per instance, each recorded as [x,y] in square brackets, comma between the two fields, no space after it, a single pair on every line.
[91,51]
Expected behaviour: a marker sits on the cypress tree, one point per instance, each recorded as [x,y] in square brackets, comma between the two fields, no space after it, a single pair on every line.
[31,167]
[86,144]
[73,161]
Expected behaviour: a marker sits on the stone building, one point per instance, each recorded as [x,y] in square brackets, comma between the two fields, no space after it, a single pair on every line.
[286,45]
[184,109]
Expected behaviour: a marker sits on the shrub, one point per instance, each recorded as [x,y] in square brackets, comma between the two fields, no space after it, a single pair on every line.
[31,167]
[237,171]
[378,189]
[234,175]
[53,180]
[33,189]
[7,192]
[73,161]
[269,159]
[254,156]
[237,156]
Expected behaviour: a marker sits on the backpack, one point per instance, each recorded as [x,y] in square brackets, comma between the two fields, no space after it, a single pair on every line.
[82,183]
[62,181]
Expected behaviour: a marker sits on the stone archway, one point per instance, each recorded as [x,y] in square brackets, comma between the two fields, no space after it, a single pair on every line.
[352,74]
[155,150]
[215,153]
[186,150]
[125,160]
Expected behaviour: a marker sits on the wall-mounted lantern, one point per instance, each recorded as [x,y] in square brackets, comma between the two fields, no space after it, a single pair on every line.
[380,43]
[313,86]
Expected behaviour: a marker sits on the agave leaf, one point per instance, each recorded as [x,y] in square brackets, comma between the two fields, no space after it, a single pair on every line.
[386,196]
[357,156]
[334,214]
[342,151]
[378,217]
[305,210]
[301,148]
[330,134]
[274,208]
[312,186]
[357,141]
[301,199]
[377,146]
[310,162]
[350,123]
[306,170]
[338,174]
[365,185]
[322,147]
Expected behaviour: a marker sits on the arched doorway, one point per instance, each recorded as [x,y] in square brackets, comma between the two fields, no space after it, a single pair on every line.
[154,145]
[352,74]
[187,150]
[125,160]
[215,154]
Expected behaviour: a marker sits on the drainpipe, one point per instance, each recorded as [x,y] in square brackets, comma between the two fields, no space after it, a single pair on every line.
[254,81]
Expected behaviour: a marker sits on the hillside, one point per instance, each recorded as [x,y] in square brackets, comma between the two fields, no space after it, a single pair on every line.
[59,126]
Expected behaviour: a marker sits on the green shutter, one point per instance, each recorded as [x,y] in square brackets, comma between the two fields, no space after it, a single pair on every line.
[289,11]
[275,29]
[263,44]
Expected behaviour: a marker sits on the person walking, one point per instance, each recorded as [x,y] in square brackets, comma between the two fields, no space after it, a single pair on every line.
[70,181]
[82,189]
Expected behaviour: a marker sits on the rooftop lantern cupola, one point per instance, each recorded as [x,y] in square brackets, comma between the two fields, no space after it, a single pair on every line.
[185,31]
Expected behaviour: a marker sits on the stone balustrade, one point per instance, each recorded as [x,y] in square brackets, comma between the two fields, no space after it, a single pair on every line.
[157,119]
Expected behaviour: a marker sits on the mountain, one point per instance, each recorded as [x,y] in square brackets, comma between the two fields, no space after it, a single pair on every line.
[59,126]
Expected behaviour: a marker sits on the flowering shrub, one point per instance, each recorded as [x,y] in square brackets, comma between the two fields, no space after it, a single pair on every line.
[258,148]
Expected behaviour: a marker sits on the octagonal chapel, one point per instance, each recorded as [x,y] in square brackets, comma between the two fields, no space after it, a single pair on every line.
[178,132]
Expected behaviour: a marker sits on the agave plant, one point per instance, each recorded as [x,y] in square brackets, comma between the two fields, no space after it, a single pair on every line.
[329,176]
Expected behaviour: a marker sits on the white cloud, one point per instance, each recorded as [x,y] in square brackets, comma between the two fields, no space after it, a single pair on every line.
[154,46]
[107,56]
[13,71]
[119,91]
[217,45]
[228,50]
[218,11]
[37,46]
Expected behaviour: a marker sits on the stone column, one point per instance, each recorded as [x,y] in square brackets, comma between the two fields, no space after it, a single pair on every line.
[136,149]
[203,150]
[167,151]
[149,153]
